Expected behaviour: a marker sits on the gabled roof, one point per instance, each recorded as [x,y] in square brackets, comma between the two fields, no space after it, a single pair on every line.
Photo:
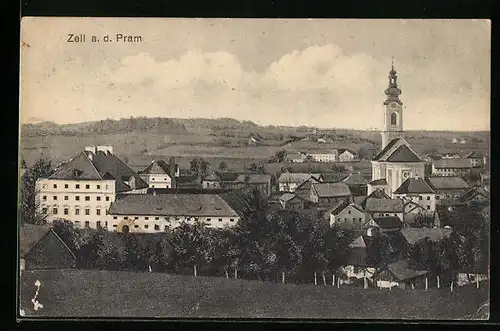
[452,164]
[377,182]
[402,271]
[404,154]
[324,190]
[78,168]
[355,179]
[171,205]
[297,177]
[342,150]
[473,192]
[414,185]
[332,177]
[336,208]
[447,183]
[107,163]
[323,151]
[359,242]
[159,167]
[287,197]
[379,194]
[414,204]
[30,235]
[388,222]
[211,177]
[474,155]
[413,235]
[376,205]
[398,150]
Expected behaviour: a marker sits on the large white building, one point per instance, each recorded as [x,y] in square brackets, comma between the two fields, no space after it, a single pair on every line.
[148,213]
[82,189]
[397,161]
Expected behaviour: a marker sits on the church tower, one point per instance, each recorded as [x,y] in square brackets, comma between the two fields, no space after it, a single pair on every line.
[393,112]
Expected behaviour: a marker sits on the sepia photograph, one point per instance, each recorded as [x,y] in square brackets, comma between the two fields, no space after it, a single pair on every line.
[184,168]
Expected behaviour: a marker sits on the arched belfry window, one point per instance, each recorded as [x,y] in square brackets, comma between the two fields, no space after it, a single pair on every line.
[394,119]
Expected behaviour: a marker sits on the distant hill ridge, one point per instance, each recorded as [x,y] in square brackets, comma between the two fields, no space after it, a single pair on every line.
[186,125]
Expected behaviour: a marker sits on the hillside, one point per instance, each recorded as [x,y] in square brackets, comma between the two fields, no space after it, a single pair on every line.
[85,293]
[140,140]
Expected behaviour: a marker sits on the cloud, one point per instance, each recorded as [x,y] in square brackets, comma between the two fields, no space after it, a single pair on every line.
[321,85]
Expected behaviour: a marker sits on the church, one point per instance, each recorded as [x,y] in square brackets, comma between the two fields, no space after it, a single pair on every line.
[397,161]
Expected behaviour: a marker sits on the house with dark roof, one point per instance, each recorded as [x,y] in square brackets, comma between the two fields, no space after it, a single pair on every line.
[413,235]
[291,201]
[418,191]
[326,194]
[160,174]
[388,223]
[236,181]
[396,163]
[378,185]
[146,213]
[412,211]
[378,194]
[357,184]
[377,208]
[451,167]
[476,158]
[358,265]
[295,157]
[447,187]
[82,189]
[400,274]
[347,216]
[347,155]
[41,248]
[289,181]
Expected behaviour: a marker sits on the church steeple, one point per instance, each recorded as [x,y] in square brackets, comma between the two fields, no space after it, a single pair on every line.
[393,112]
[392,91]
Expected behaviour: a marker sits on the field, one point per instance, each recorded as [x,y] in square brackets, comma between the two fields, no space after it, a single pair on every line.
[85,293]
[141,140]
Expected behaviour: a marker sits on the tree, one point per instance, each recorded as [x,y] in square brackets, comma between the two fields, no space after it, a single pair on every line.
[367,152]
[423,220]
[199,166]
[280,156]
[30,211]
[222,166]
[257,168]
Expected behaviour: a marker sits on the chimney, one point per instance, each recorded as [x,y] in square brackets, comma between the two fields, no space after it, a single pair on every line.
[172,172]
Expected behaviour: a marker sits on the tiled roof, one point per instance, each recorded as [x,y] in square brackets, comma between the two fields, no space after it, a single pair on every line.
[107,163]
[402,271]
[296,177]
[355,179]
[322,151]
[380,181]
[376,205]
[211,177]
[403,154]
[29,235]
[102,166]
[342,150]
[159,167]
[414,185]
[447,183]
[331,189]
[287,197]
[397,150]
[78,168]
[332,176]
[236,199]
[379,194]
[171,205]
[336,208]
[452,164]
[474,155]
[386,149]
[472,192]
[359,242]
[388,222]
[413,235]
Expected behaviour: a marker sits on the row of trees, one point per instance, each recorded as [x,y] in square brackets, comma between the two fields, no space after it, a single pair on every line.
[28,208]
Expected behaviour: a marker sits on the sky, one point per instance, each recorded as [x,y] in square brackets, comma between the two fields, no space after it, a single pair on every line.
[325,73]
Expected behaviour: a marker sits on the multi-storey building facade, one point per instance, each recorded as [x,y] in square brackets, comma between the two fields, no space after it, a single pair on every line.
[160,174]
[82,189]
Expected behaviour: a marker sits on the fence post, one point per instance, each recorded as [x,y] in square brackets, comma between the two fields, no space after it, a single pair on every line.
[333,280]
[283,277]
[451,286]
[412,286]
[426,283]
[477,281]
[438,285]
[338,282]
[235,273]
[324,279]
[315,280]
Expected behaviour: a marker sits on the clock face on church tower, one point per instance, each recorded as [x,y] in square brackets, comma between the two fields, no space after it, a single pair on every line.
[406,174]
[393,105]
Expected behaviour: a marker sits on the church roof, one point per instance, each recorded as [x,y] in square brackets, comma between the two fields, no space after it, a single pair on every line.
[414,185]
[355,179]
[380,181]
[398,150]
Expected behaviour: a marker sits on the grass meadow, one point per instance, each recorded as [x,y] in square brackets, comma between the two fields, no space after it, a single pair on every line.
[91,293]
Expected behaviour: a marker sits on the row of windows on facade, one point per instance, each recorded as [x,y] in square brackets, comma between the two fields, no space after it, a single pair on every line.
[55,211]
[77,198]
[99,225]
[354,219]
[171,218]
[77,186]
